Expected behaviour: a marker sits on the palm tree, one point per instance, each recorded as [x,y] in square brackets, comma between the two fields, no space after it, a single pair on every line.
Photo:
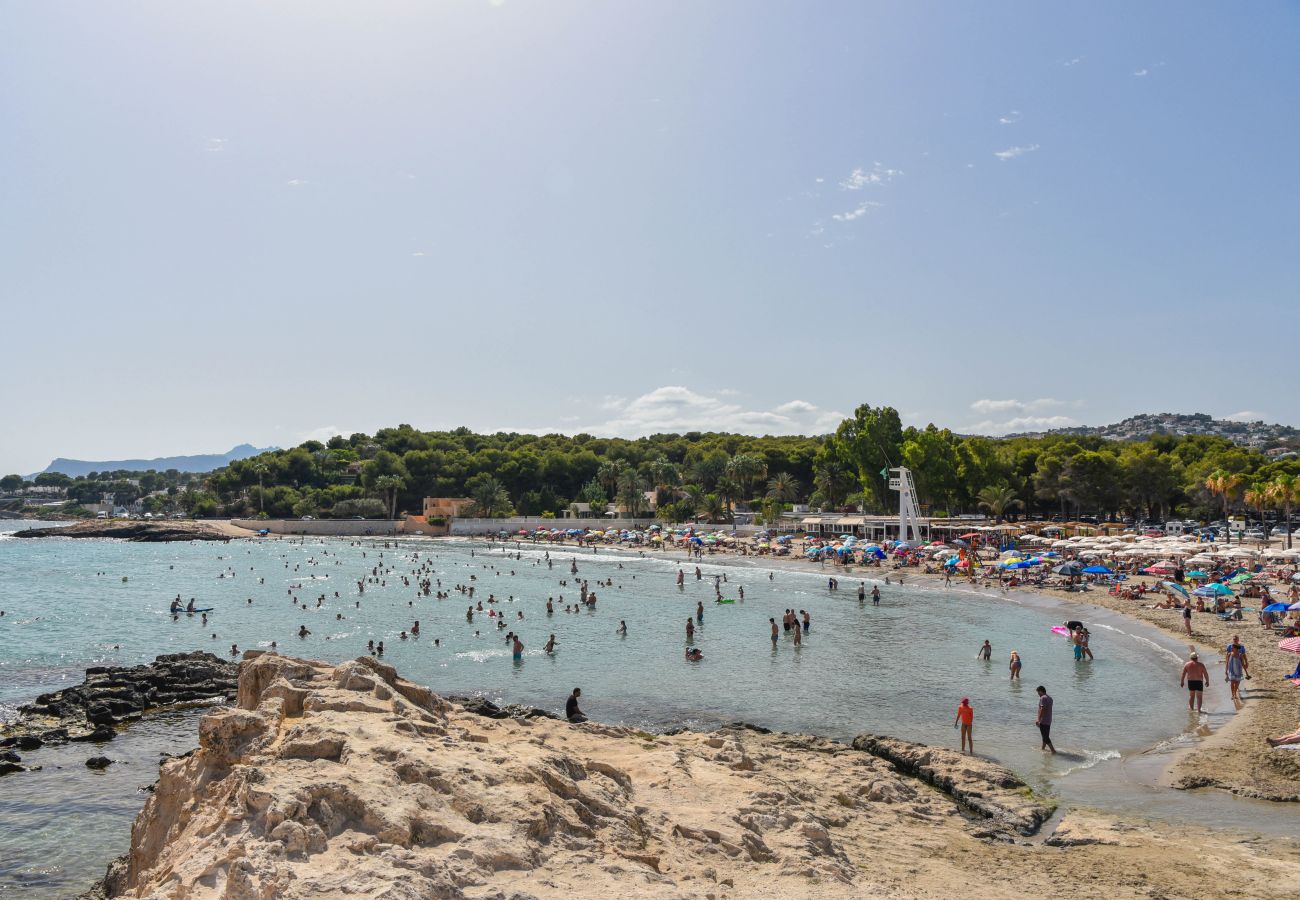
[713,507]
[729,490]
[832,481]
[389,485]
[1223,485]
[631,492]
[609,473]
[490,499]
[1259,496]
[261,470]
[998,500]
[783,487]
[663,475]
[1285,490]
[745,468]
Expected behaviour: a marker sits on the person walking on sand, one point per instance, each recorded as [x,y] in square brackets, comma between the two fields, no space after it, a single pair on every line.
[1015,666]
[1195,677]
[1044,719]
[1235,665]
[966,719]
[1187,616]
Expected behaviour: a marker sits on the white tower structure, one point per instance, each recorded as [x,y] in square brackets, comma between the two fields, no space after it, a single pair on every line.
[909,520]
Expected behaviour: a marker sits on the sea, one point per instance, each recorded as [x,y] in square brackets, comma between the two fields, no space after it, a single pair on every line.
[898,669]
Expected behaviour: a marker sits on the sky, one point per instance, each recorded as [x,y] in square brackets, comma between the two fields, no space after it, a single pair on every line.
[270,221]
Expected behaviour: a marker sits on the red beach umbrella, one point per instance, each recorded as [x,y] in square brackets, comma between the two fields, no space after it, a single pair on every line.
[1290,645]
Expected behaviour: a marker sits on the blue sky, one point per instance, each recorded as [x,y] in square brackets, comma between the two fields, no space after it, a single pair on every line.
[265,221]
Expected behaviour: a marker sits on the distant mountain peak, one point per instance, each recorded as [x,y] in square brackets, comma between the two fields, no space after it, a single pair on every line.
[203,462]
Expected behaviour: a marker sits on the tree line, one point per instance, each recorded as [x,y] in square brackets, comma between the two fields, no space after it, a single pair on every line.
[708,475]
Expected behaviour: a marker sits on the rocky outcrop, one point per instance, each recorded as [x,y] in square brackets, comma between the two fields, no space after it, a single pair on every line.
[325,780]
[112,695]
[978,785]
[143,532]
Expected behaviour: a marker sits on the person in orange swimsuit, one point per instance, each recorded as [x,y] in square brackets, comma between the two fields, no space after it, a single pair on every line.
[966,718]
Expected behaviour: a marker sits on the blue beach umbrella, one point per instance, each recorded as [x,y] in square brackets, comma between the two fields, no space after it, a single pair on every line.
[1276,607]
[1097,570]
[1173,585]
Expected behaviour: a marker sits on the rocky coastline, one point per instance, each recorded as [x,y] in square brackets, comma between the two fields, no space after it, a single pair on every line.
[140,532]
[112,696]
[323,780]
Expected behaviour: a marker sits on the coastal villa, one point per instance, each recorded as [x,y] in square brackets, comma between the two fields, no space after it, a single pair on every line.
[445,507]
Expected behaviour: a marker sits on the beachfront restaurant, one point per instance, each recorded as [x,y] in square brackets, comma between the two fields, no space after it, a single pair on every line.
[885,528]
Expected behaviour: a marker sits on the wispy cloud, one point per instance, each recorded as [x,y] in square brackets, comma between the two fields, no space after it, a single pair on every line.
[1147,70]
[1246,415]
[1073,61]
[216,145]
[1142,73]
[856,213]
[296,182]
[877,174]
[419,253]
[1010,118]
[675,408]
[1014,152]
[1003,416]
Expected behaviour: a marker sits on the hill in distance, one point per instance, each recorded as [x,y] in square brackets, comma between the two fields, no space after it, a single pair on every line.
[1259,435]
[205,462]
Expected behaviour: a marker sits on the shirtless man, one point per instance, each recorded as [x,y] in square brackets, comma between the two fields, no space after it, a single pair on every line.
[1196,677]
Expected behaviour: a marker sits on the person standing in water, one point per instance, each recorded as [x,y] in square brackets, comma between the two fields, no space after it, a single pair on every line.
[1195,677]
[1235,665]
[1044,718]
[985,653]
[690,630]
[518,649]
[775,632]
[1015,666]
[699,612]
[875,595]
[966,719]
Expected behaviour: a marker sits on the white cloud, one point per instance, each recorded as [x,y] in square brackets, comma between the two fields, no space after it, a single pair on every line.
[1002,416]
[1020,423]
[1010,118]
[322,434]
[216,145]
[860,178]
[296,182]
[419,253]
[1073,61]
[1013,152]
[987,407]
[856,213]
[674,408]
[1141,73]
[1246,415]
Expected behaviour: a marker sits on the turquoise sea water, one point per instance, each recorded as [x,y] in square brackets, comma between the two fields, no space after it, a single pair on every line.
[899,668]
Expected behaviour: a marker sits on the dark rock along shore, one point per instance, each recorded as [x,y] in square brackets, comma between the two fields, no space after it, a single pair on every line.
[113,695]
[140,532]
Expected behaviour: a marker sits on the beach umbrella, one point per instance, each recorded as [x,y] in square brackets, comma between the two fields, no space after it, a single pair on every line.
[1175,586]
[1070,568]
[1219,589]
[1290,645]
[1276,607]
[1097,570]
[1197,573]
[1294,607]
[1240,577]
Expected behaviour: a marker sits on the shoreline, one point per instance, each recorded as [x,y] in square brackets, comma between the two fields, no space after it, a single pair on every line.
[1230,756]
[329,778]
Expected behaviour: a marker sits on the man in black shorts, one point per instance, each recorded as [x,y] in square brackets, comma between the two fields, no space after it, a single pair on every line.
[1196,677]
[1044,719]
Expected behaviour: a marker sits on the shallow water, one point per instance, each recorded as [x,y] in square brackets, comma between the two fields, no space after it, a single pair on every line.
[899,668]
